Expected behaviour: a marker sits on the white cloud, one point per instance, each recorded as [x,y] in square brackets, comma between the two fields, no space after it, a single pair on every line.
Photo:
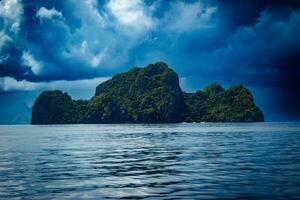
[93,59]
[131,13]
[92,7]
[4,58]
[184,17]
[10,84]
[92,43]
[11,12]
[44,13]
[102,40]
[207,14]
[30,61]
[3,39]
[104,37]
[98,58]
[84,47]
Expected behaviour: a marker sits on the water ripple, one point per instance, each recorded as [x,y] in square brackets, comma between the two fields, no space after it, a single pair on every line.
[173,161]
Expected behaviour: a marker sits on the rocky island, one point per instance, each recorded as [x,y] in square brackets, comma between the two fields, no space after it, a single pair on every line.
[147,95]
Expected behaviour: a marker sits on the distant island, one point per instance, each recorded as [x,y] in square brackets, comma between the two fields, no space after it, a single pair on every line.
[147,95]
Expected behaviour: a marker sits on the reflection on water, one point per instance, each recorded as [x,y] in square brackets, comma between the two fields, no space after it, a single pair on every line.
[203,161]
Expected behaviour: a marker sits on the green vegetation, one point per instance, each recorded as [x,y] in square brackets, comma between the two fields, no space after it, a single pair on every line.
[147,95]
[215,104]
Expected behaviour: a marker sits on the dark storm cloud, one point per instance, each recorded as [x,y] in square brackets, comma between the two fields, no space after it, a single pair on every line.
[56,40]
[269,48]
[10,64]
[247,12]
[49,31]
[61,38]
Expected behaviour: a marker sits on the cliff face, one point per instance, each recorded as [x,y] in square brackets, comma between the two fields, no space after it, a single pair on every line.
[147,95]
[52,107]
[141,95]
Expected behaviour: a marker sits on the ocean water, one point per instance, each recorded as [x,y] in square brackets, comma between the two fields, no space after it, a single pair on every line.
[173,161]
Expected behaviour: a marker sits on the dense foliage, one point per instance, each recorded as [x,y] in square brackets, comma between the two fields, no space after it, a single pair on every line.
[215,104]
[147,95]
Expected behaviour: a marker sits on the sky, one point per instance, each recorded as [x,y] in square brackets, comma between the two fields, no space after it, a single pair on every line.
[74,45]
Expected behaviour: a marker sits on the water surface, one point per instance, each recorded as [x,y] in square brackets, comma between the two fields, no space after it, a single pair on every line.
[192,161]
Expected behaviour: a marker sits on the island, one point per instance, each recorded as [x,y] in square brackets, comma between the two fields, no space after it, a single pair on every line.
[147,95]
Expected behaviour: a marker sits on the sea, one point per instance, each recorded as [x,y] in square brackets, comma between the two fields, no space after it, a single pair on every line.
[151,161]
